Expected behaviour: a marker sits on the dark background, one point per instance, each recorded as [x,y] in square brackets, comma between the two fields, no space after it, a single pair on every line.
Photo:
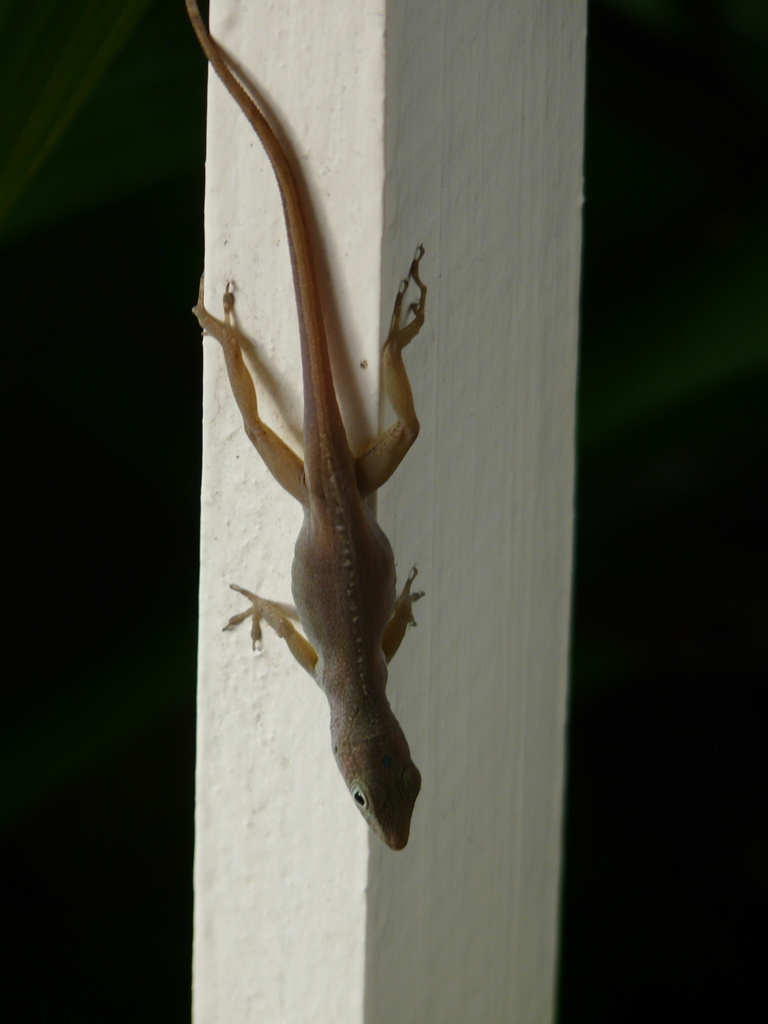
[101,181]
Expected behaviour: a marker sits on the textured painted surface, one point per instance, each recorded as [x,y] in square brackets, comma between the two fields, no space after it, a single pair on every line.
[280,863]
[485,158]
[483,150]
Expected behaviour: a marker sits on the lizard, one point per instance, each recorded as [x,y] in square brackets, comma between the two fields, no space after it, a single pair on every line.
[343,576]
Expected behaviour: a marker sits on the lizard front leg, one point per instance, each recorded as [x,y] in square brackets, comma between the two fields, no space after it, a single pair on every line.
[270,612]
[402,618]
[282,462]
[385,454]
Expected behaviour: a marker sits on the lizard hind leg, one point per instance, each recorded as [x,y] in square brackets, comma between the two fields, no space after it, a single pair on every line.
[282,462]
[377,464]
[273,614]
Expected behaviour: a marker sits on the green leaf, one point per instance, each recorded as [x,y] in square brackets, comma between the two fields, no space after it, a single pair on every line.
[52,56]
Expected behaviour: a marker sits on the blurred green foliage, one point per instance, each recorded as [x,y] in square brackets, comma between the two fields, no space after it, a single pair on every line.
[54,55]
[666,874]
[665,910]
[101,184]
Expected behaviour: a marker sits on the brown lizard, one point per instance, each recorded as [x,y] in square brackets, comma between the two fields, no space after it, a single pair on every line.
[343,574]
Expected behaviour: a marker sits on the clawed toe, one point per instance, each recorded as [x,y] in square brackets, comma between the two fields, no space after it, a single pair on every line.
[254,613]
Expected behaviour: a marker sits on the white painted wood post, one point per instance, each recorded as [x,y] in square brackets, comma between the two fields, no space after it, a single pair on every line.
[457,124]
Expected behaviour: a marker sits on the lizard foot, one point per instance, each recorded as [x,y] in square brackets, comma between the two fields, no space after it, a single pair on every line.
[278,617]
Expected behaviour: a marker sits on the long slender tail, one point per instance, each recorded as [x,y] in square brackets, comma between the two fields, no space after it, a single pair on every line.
[320,406]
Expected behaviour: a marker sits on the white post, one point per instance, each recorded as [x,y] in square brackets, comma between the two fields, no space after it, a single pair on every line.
[457,125]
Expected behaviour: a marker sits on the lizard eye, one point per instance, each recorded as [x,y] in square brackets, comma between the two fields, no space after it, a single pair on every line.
[359,797]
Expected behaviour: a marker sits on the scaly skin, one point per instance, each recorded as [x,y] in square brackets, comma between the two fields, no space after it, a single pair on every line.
[343,574]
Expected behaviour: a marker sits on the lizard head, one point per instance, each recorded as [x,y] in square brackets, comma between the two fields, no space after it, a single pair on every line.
[384,783]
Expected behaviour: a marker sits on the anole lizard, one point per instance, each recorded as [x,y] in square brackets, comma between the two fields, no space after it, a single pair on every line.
[343,574]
